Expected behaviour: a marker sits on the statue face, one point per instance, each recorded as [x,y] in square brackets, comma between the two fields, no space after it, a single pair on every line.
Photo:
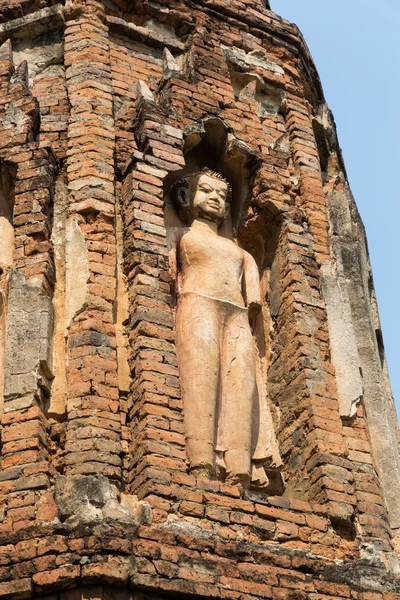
[209,200]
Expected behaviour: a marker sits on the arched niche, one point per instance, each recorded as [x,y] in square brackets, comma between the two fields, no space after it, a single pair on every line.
[211,144]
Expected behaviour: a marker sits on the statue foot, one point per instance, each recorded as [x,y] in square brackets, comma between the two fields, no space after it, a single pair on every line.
[260,487]
[243,481]
[203,471]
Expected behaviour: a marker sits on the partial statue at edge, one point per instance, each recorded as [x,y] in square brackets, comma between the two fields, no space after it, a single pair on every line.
[227,423]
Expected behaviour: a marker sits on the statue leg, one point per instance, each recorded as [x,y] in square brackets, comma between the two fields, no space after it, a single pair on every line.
[239,389]
[198,348]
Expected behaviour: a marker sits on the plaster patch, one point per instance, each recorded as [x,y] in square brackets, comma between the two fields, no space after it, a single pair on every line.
[77,270]
[29,331]
[342,342]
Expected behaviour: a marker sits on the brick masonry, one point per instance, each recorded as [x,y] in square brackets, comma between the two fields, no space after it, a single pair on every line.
[102,106]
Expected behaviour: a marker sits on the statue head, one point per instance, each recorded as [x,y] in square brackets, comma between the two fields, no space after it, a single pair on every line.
[205,194]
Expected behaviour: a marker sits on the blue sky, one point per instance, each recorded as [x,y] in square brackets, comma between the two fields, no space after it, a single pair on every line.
[356,48]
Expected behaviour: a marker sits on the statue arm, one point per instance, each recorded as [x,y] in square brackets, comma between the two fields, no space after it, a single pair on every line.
[174,260]
[252,291]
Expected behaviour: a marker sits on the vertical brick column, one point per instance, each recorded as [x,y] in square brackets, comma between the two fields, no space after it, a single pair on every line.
[327,452]
[26,283]
[158,449]
[93,439]
[362,432]
[156,415]
[309,422]
[306,159]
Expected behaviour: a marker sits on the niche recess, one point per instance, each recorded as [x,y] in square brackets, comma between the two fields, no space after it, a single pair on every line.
[211,143]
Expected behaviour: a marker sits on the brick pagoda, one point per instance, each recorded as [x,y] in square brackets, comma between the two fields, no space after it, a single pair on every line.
[103,106]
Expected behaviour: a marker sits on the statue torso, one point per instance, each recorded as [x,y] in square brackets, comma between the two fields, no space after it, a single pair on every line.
[211,266]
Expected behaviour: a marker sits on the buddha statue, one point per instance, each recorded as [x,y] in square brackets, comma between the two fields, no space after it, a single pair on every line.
[218,295]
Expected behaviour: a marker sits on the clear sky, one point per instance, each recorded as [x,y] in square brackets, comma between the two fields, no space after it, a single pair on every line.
[356,48]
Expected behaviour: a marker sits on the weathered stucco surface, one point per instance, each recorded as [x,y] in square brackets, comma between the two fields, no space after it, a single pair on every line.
[353,258]
[28,373]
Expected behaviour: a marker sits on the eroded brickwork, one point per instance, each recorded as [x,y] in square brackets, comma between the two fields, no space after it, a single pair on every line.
[103,106]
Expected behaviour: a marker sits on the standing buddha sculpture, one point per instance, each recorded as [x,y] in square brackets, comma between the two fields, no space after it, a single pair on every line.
[218,289]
